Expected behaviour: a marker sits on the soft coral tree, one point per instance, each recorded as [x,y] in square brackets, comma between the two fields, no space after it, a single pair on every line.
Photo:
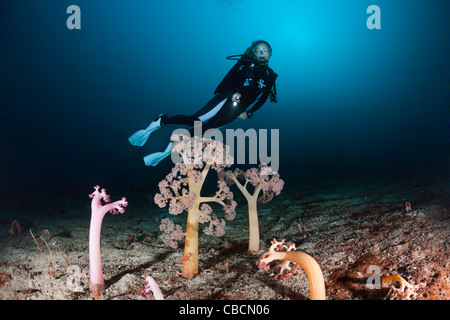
[181,189]
[98,212]
[265,183]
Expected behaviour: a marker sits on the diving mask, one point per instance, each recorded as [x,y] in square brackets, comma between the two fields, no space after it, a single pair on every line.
[262,53]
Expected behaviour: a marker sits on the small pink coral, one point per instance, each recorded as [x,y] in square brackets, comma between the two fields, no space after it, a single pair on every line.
[408,206]
[98,212]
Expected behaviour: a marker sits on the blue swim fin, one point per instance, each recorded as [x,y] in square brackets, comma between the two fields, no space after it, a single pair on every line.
[154,158]
[140,137]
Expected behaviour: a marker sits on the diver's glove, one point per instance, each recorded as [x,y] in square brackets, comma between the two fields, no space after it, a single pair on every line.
[243,116]
[236,98]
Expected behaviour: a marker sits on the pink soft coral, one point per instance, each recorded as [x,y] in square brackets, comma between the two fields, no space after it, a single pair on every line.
[181,189]
[171,233]
[98,212]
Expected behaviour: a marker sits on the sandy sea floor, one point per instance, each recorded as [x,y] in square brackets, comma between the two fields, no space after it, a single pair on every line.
[346,226]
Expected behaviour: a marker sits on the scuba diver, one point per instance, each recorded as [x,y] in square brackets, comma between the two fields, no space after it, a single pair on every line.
[250,81]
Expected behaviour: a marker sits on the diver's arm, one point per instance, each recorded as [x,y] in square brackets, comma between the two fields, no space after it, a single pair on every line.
[258,104]
[267,93]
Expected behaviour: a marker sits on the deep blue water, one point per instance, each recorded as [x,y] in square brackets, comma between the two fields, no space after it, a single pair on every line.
[353,102]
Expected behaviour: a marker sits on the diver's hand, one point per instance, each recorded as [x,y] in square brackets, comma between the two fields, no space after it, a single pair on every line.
[243,116]
[236,97]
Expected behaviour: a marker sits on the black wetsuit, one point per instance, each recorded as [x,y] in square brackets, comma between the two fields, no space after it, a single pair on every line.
[254,81]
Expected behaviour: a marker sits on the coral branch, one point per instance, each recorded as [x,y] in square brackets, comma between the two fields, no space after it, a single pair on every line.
[406,291]
[172,233]
[53,269]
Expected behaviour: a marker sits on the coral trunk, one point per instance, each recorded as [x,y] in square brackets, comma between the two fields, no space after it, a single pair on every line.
[253,244]
[190,267]
[308,263]
[95,262]
[312,270]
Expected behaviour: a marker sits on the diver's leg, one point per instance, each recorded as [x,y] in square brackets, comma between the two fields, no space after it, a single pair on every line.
[214,122]
[213,106]
[140,137]
[207,112]
[207,115]
[181,120]
[226,114]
